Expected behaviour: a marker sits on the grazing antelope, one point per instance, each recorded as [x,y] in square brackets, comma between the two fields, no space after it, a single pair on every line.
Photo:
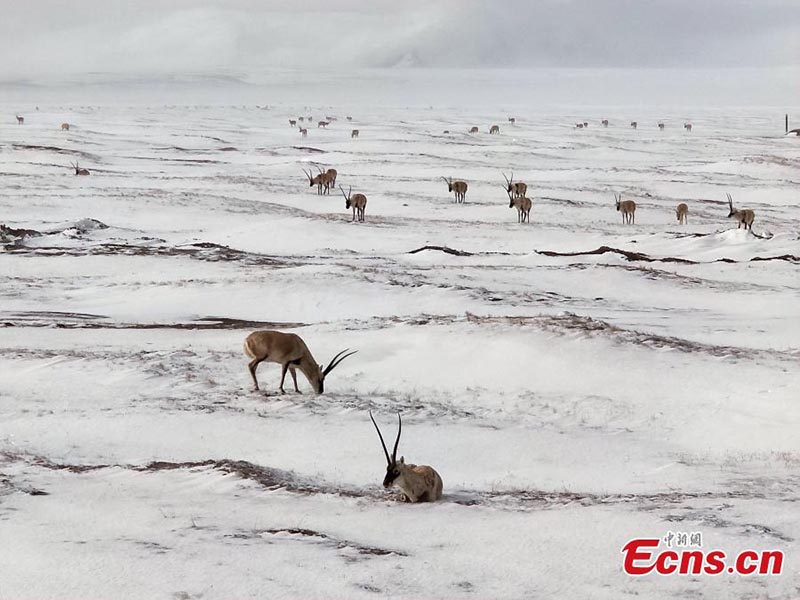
[627,208]
[523,206]
[354,134]
[303,131]
[316,180]
[419,483]
[682,212]
[579,125]
[604,122]
[322,124]
[661,126]
[292,123]
[301,119]
[459,188]
[290,351]
[358,202]
[745,216]
[586,123]
[515,189]
[634,124]
[65,127]
[494,129]
[512,120]
[20,120]
[687,126]
[474,130]
[79,170]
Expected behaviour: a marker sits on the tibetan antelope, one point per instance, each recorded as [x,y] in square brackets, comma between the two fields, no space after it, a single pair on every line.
[292,123]
[349,118]
[354,134]
[357,201]
[512,120]
[515,189]
[682,212]
[290,351]
[626,207]
[301,119]
[79,170]
[303,131]
[523,206]
[322,124]
[474,130]
[65,127]
[661,126]
[20,120]
[579,125]
[745,216]
[634,124]
[419,483]
[494,129]
[330,176]
[459,188]
[316,180]
[309,119]
[604,122]
[586,123]
[687,126]
[446,131]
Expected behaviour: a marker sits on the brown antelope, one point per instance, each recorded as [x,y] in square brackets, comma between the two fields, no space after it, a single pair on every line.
[515,189]
[579,125]
[354,134]
[20,120]
[330,176]
[446,131]
[349,118]
[682,212]
[634,124]
[292,123]
[523,206]
[65,127]
[330,119]
[301,119]
[474,130]
[687,126]
[290,351]
[322,124]
[604,122]
[310,119]
[419,483]
[357,201]
[512,120]
[459,188]
[316,180]
[79,170]
[661,126]
[303,131]
[745,216]
[586,123]
[627,208]
[494,129]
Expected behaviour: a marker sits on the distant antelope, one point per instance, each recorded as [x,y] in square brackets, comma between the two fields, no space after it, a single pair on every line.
[634,124]
[322,124]
[474,130]
[65,127]
[446,131]
[20,120]
[586,123]
[79,170]
[316,180]
[357,201]
[627,208]
[661,126]
[459,188]
[309,119]
[301,119]
[604,122]
[515,189]
[745,216]
[291,352]
[303,131]
[354,134]
[687,126]
[682,212]
[512,120]
[419,483]
[579,125]
[330,119]
[494,129]
[523,206]
[292,123]
[349,118]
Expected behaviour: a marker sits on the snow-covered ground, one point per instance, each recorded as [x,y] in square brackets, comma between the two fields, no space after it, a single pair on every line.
[570,403]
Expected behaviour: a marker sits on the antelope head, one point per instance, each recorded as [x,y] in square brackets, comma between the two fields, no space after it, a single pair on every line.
[346,196]
[509,182]
[449,183]
[617,199]
[318,382]
[394,470]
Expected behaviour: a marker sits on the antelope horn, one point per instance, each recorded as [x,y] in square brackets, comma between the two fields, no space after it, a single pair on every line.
[343,194]
[506,178]
[397,441]
[334,362]
[385,451]
[730,201]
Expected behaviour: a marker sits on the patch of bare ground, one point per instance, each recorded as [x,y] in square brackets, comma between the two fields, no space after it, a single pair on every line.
[298,533]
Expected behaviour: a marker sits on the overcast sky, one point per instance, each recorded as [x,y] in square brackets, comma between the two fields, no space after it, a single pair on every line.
[54,38]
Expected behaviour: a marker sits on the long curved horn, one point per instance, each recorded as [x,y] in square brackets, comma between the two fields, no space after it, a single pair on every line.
[397,441]
[343,194]
[385,451]
[506,178]
[730,201]
[336,360]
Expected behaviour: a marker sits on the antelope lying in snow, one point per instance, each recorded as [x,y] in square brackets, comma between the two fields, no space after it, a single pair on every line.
[357,201]
[20,120]
[634,124]
[515,189]
[354,133]
[291,352]
[292,123]
[459,188]
[494,129]
[65,127]
[682,212]
[419,483]
[79,170]
[627,208]
[523,206]
[474,130]
[745,216]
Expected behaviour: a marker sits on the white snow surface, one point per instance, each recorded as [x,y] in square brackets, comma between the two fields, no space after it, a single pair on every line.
[570,403]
